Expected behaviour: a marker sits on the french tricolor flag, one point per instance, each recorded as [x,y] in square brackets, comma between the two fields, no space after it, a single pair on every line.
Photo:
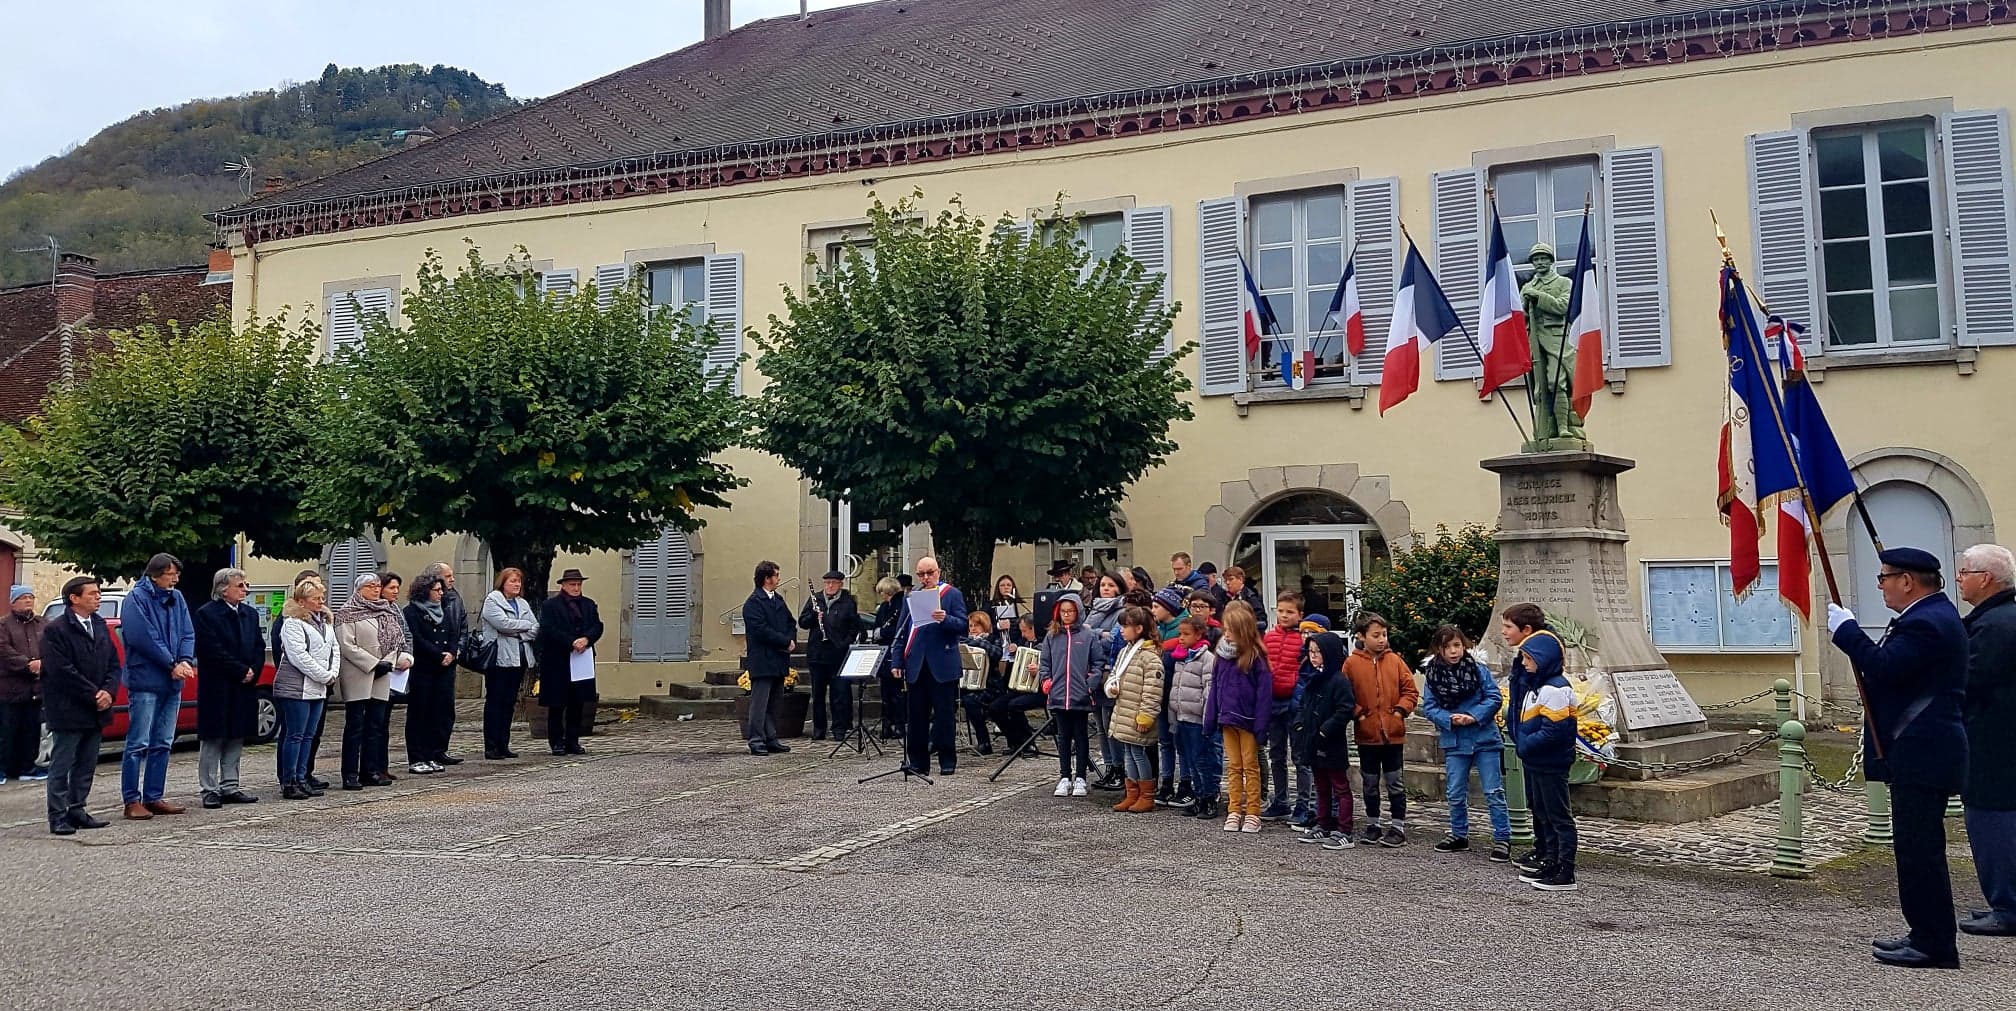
[1259,315]
[1585,326]
[1506,352]
[1422,315]
[1344,305]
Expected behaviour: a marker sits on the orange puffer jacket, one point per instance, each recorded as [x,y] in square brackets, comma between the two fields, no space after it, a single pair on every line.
[1382,685]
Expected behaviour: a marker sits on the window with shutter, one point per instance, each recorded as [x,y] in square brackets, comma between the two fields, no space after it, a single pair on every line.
[661,599]
[1979,206]
[1147,239]
[724,315]
[1375,241]
[1879,248]
[1639,333]
[1221,362]
[1457,207]
[350,315]
[1297,255]
[1780,222]
[347,560]
[610,279]
[558,283]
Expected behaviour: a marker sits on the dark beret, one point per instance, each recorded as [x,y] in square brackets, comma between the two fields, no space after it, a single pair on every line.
[1910,560]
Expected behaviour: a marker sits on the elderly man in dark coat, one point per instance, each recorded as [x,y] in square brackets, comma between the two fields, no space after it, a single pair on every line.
[230,651]
[80,669]
[20,685]
[831,620]
[1987,580]
[569,625]
[770,633]
[1916,679]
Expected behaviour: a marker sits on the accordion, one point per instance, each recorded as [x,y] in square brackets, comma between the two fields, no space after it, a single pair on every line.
[972,668]
[1023,670]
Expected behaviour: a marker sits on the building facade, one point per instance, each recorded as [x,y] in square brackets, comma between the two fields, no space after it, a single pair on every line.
[1858,157]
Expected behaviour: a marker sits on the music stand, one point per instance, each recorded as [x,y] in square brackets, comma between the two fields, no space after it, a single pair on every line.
[1048,725]
[859,667]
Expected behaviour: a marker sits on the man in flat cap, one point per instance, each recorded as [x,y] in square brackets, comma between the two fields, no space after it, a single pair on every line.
[1916,677]
[832,619]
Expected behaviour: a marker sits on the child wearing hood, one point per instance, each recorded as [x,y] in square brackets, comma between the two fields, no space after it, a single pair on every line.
[1461,698]
[1544,736]
[1322,741]
[1072,665]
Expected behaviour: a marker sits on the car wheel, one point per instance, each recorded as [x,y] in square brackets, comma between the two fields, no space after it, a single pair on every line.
[266,725]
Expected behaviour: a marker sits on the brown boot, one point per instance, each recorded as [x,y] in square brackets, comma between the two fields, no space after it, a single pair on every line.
[1127,802]
[137,811]
[164,807]
[1145,802]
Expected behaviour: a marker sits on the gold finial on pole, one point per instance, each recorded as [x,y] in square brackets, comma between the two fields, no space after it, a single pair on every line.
[1728,258]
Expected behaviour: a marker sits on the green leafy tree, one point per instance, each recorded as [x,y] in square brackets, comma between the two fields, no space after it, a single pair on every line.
[996,386]
[176,440]
[1452,579]
[535,423]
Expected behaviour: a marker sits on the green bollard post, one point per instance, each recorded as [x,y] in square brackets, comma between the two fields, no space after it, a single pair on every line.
[1515,797]
[1782,690]
[1788,860]
[1878,832]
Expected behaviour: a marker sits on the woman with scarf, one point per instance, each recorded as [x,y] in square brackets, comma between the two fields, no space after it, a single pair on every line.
[569,624]
[372,639]
[430,694]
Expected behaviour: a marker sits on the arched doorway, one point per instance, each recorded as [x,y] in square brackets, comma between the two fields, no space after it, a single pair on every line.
[1317,543]
[474,572]
[1906,513]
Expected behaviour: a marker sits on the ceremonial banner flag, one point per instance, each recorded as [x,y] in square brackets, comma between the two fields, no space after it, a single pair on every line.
[1501,328]
[1755,464]
[1585,326]
[1829,481]
[1422,315]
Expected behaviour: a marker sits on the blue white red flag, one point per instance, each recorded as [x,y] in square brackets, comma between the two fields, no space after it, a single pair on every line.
[1829,481]
[1346,308]
[1259,315]
[1422,315]
[1755,464]
[1501,326]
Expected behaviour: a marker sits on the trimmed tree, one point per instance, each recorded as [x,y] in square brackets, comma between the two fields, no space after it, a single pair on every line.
[537,423]
[995,384]
[1452,579]
[178,440]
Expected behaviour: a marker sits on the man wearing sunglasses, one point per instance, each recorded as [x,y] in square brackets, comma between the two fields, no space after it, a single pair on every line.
[926,655]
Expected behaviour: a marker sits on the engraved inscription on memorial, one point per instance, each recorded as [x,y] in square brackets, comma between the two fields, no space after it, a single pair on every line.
[1653,698]
[1538,498]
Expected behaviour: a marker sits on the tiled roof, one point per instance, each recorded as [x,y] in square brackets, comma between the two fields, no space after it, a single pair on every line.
[31,350]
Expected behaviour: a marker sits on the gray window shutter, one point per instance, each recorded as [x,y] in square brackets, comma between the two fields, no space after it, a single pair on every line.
[1640,328]
[1221,362]
[557,283]
[1375,235]
[350,315]
[1148,242]
[609,279]
[1978,212]
[348,559]
[1781,220]
[1458,221]
[724,315]
[661,598]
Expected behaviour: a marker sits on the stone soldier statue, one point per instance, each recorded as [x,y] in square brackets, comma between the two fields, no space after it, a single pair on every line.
[1546,304]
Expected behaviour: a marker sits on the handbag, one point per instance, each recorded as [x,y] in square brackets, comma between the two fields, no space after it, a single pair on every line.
[475,654]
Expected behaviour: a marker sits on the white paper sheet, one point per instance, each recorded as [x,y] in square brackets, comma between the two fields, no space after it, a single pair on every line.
[922,603]
[400,679]
[581,666]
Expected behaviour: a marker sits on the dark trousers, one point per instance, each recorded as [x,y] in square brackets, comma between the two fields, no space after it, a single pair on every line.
[563,724]
[500,702]
[1554,835]
[1008,710]
[430,715]
[832,700]
[1924,890]
[1074,728]
[364,744]
[1333,799]
[1280,724]
[1992,835]
[73,762]
[1383,762]
[20,737]
[933,705]
[766,699]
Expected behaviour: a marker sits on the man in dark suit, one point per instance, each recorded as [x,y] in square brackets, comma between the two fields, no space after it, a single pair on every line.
[229,653]
[569,624]
[927,657]
[831,620]
[770,633]
[1916,679]
[80,667]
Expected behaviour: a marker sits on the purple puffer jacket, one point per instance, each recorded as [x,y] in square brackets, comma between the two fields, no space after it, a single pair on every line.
[1241,699]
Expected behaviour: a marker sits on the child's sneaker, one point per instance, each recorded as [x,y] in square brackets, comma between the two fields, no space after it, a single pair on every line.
[1339,841]
[1529,861]
[1371,834]
[1501,851]
[1313,834]
[1063,787]
[1275,811]
[1302,818]
[1560,879]
[1233,821]
[1251,824]
[1395,836]
[1535,875]
[1452,844]
[1165,792]
[1078,787]
[1184,798]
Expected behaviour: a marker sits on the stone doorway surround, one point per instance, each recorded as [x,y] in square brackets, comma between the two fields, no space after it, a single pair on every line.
[1240,501]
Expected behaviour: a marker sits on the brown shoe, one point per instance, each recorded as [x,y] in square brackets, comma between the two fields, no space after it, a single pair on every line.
[164,807]
[137,811]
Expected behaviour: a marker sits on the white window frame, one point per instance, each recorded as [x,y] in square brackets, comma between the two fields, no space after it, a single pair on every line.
[1767,583]
[1547,209]
[1259,374]
[343,303]
[694,303]
[1879,273]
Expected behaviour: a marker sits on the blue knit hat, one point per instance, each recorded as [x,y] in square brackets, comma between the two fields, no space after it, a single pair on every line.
[18,591]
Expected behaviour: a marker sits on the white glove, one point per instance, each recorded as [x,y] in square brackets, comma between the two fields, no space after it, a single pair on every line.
[1838,616]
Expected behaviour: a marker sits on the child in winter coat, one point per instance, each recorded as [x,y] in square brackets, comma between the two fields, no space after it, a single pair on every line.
[1135,686]
[1386,695]
[1544,736]
[1285,645]
[1462,700]
[1322,742]
[1238,706]
[1072,665]
[1190,662]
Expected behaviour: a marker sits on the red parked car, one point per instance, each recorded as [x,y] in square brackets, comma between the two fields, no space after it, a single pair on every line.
[265,729]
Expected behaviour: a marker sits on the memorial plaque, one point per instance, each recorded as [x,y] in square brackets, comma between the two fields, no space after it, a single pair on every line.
[1652,698]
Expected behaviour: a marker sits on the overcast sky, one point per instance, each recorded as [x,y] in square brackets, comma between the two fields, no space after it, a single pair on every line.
[71,69]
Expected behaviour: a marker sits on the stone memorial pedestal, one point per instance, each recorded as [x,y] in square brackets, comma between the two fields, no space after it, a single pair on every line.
[1561,545]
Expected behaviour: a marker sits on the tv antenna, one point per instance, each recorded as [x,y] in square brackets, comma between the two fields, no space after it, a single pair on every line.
[245,173]
[55,251]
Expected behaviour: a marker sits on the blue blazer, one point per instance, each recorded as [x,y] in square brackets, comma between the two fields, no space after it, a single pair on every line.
[159,633]
[1917,682]
[934,647]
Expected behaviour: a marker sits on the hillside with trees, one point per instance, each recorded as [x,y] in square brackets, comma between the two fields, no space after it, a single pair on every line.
[135,194]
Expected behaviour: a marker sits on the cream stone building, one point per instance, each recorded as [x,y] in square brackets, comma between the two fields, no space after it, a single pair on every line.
[1857,154]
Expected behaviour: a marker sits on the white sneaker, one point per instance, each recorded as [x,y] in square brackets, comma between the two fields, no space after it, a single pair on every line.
[1078,787]
[1063,787]
[419,768]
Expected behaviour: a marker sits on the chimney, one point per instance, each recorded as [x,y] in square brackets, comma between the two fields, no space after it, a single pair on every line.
[274,184]
[76,289]
[717,20]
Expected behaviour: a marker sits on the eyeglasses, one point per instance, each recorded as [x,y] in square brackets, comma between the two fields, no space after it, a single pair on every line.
[1882,577]
[927,572]
[1972,572]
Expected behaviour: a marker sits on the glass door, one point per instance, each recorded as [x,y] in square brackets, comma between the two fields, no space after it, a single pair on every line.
[865,549]
[1318,562]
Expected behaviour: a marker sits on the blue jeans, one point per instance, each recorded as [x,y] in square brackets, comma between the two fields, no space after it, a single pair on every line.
[150,729]
[1992,834]
[1134,757]
[299,718]
[1201,756]
[1491,773]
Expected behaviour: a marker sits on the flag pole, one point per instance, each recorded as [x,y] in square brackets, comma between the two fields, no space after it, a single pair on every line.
[1327,317]
[1772,399]
[1509,412]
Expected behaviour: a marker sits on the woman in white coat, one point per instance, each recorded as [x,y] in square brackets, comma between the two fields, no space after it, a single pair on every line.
[309,663]
[372,635]
[512,624]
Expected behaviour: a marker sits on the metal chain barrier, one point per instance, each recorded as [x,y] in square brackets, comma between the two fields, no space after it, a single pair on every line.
[1848,783]
[1733,703]
[1692,764]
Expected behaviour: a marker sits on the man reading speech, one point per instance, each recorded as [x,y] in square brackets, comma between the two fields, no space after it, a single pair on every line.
[926,657]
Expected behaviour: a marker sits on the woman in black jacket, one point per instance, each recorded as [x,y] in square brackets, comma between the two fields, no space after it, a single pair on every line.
[430,692]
